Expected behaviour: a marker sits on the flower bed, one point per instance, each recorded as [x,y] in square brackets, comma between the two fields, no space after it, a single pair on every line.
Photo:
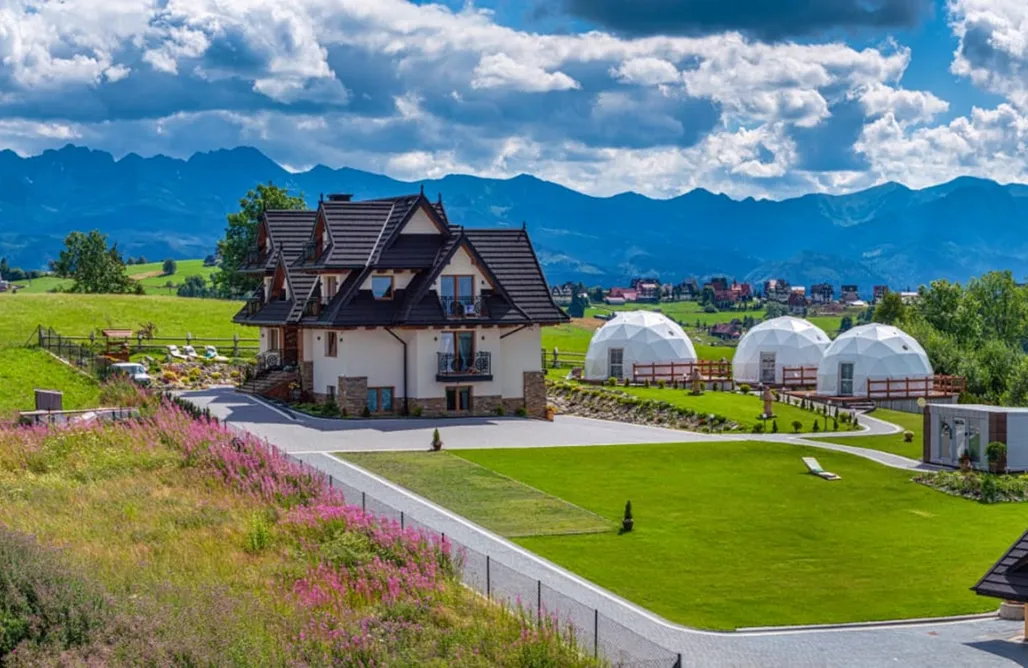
[194,375]
[978,485]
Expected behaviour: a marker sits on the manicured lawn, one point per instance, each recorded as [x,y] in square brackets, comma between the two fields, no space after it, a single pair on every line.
[742,408]
[505,506]
[574,337]
[43,284]
[731,535]
[23,370]
[893,443]
[78,315]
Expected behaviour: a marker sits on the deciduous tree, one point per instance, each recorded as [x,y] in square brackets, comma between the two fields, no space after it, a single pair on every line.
[94,267]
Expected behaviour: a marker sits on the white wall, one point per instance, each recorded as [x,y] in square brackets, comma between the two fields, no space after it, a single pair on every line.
[373,354]
[460,264]
[1017,441]
[420,223]
[521,352]
[325,297]
[265,340]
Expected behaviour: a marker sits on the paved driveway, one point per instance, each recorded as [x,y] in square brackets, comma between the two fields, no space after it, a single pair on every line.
[300,433]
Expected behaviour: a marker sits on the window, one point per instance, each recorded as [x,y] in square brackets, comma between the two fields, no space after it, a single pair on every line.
[273,339]
[380,399]
[457,293]
[846,379]
[331,286]
[615,363]
[382,287]
[458,350]
[458,398]
[331,344]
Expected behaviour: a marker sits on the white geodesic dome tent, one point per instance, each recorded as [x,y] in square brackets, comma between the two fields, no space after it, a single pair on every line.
[776,344]
[870,352]
[636,337]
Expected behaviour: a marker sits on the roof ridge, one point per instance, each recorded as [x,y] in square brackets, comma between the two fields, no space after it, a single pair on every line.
[378,240]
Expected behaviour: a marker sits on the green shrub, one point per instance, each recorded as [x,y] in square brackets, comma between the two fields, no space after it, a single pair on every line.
[996,451]
[908,437]
[258,533]
[417,411]
[366,412]
[521,412]
[330,409]
[745,388]
[661,384]
[774,426]
[835,424]
[796,426]
[499,410]
[817,426]
[437,441]
[612,381]
[758,428]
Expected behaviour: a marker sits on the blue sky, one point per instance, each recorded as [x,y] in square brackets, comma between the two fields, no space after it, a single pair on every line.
[744,97]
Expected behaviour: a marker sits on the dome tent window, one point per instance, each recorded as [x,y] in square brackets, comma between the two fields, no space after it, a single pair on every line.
[642,337]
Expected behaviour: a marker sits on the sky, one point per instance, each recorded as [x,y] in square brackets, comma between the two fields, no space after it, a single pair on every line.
[762,98]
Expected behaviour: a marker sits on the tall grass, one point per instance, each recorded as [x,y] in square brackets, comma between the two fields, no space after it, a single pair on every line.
[225,553]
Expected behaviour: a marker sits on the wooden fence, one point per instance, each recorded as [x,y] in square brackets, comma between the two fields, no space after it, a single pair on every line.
[718,370]
[236,346]
[907,388]
[559,359]
[799,376]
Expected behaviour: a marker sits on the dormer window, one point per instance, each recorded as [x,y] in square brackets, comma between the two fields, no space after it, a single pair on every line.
[382,287]
[457,292]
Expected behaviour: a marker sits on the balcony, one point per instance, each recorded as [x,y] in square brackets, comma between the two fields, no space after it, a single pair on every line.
[453,366]
[311,251]
[256,260]
[463,307]
[255,303]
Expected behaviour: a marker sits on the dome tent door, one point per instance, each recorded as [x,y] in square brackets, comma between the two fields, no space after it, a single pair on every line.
[846,379]
[767,367]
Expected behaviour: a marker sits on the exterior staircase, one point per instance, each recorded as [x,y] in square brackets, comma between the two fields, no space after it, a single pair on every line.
[274,383]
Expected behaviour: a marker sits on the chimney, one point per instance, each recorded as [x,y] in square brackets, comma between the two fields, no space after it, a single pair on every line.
[340,197]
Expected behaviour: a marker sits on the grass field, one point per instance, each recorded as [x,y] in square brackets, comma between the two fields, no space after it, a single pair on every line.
[893,443]
[574,337]
[731,535]
[511,508]
[742,408]
[148,274]
[78,315]
[23,370]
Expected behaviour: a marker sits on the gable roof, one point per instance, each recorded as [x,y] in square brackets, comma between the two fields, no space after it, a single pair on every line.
[287,232]
[1008,577]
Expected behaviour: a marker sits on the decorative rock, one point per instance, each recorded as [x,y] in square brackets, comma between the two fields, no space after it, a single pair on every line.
[1011,610]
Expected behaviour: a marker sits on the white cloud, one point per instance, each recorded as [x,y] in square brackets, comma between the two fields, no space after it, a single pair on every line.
[498,70]
[646,71]
[993,49]
[905,105]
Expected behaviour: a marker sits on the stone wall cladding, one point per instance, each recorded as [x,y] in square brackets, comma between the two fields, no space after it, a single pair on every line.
[512,404]
[429,407]
[485,405]
[353,395]
[307,377]
[535,394]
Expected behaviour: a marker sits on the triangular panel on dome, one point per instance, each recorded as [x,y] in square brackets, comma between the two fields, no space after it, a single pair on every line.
[636,337]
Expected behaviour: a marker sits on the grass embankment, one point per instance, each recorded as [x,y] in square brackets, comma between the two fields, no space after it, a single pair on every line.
[78,315]
[150,275]
[730,535]
[191,546]
[511,508]
[892,443]
[23,370]
[742,408]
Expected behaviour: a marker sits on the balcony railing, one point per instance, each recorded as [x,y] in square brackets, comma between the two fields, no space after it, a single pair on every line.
[255,259]
[311,251]
[454,366]
[255,303]
[463,307]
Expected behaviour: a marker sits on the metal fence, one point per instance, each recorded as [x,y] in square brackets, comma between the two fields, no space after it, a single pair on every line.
[47,337]
[595,634]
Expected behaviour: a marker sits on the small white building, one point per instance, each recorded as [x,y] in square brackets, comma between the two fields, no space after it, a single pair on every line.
[952,429]
[877,353]
[776,344]
[636,337]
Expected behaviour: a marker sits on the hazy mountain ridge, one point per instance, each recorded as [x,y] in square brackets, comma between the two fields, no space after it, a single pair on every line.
[162,206]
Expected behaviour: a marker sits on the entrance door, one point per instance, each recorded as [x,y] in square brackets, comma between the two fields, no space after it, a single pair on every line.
[767,368]
[960,436]
[291,346]
[616,363]
[846,379]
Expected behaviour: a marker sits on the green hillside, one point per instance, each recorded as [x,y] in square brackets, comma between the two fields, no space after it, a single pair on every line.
[148,274]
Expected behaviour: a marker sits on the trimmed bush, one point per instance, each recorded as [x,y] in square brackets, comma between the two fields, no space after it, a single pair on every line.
[817,426]
[437,441]
[774,426]
[745,388]
[796,426]
[612,381]
[908,437]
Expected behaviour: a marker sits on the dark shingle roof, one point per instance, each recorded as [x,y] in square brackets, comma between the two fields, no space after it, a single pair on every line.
[354,229]
[509,256]
[411,251]
[1008,578]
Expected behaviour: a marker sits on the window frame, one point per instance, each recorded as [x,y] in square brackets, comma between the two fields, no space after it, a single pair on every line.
[456,391]
[331,344]
[392,287]
[378,391]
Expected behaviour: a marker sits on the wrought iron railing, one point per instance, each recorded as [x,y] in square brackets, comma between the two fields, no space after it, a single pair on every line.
[255,258]
[463,307]
[455,365]
[311,251]
[255,303]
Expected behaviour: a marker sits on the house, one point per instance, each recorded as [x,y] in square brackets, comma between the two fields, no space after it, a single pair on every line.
[908,297]
[563,294]
[384,307]
[776,290]
[689,289]
[797,303]
[625,294]
[879,292]
[822,293]
[743,292]
[647,290]
[727,331]
[952,429]
[849,294]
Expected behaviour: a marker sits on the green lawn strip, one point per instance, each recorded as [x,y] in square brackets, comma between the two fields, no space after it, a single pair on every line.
[156,285]
[498,503]
[78,315]
[741,408]
[730,535]
[892,443]
[573,338]
[23,370]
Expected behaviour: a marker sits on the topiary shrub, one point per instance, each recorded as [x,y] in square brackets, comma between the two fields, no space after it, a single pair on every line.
[774,426]
[612,381]
[758,428]
[661,384]
[437,441]
[996,453]
[908,437]
[628,522]
[745,388]
[521,412]
[366,412]
[835,424]
[796,426]
[817,426]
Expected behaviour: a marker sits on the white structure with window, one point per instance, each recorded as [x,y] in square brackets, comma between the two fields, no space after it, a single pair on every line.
[777,344]
[870,352]
[636,337]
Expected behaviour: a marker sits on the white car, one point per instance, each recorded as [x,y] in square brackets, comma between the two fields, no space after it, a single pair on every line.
[137,372]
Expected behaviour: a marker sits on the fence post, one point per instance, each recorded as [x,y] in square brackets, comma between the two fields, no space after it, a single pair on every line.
[678,661]
[539,601]
[488,582]
[235,345]
[189,338]
[364,502]
[596,633]
[401,521]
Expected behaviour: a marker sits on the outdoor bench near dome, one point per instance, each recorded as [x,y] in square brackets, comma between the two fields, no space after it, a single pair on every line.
[383,307]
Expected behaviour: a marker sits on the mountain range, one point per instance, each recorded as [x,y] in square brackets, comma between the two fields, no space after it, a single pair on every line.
[165,207]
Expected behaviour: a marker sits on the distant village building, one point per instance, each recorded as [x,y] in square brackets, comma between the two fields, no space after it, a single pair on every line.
[727,331]
[618,296]
[563,294]
[850,294]
[647,290]
[689,289]
[822,293]
[909,297]
[879,293]
[743,292]
[776,290]
[797,303]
